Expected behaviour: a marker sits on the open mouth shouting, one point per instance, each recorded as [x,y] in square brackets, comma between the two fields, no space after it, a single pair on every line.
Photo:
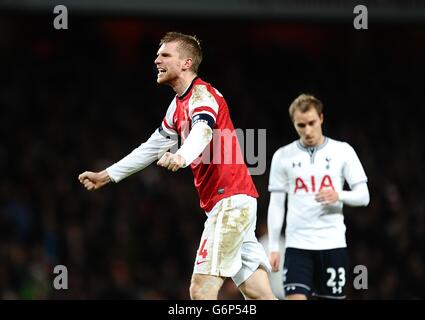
[161,72]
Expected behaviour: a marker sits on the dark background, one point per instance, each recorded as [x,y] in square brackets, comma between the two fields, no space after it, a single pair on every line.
[80,99]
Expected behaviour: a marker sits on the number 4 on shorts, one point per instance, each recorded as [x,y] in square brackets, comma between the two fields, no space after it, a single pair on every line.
[203,252]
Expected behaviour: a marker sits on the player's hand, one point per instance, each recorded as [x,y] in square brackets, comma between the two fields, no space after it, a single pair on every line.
[327,196]
[94,180]
[274,258]
[171,161]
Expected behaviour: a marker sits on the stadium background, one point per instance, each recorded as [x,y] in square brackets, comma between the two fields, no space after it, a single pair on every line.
[80,99]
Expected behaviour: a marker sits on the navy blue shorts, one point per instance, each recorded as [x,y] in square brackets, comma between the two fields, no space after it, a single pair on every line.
[320,273]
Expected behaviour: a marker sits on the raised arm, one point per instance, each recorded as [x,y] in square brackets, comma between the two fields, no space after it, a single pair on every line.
[137,160]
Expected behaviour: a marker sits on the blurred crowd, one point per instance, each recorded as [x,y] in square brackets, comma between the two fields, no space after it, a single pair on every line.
[83,98]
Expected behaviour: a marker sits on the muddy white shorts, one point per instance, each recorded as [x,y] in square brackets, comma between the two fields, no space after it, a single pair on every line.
[229,247]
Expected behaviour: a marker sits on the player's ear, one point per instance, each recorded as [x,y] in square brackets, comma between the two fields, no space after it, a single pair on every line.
[321,118]
[187,64]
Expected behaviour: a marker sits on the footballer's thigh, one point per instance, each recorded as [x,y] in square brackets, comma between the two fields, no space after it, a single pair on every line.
[219,252]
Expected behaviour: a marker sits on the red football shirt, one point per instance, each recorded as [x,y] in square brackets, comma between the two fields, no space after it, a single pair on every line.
[220,171]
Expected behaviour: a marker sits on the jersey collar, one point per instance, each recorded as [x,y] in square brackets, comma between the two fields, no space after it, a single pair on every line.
[185,93]
[312,149]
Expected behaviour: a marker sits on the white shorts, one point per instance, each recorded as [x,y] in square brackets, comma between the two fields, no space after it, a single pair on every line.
[229,247]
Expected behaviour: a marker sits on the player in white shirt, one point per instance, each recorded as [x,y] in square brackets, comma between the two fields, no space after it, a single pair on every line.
[311,171]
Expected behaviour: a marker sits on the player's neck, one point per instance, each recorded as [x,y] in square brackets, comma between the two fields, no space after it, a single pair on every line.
[320,142]
[183,83]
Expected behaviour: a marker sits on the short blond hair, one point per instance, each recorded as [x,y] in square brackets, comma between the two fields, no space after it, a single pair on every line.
[305,102]
[189,46]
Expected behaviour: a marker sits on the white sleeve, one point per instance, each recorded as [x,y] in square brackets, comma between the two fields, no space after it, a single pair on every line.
[353,170]
[275,217]
[199,137]
[167,124]
[141,157]
[358,196]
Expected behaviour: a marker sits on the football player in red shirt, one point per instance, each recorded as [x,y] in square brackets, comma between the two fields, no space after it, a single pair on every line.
[200,116]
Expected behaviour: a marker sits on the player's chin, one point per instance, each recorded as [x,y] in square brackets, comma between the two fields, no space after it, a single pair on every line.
[161,80]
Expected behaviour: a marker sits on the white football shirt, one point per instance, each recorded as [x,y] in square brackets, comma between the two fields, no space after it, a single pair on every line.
[302,172]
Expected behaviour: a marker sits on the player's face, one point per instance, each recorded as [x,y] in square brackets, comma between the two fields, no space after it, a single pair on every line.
[309,127]
[168,63]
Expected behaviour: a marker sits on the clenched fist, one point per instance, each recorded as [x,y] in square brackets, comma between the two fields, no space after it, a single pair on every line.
[171,161]
[94,180]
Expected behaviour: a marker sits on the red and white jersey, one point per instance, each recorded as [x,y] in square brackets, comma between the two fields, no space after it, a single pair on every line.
[302,172]
[221,171]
